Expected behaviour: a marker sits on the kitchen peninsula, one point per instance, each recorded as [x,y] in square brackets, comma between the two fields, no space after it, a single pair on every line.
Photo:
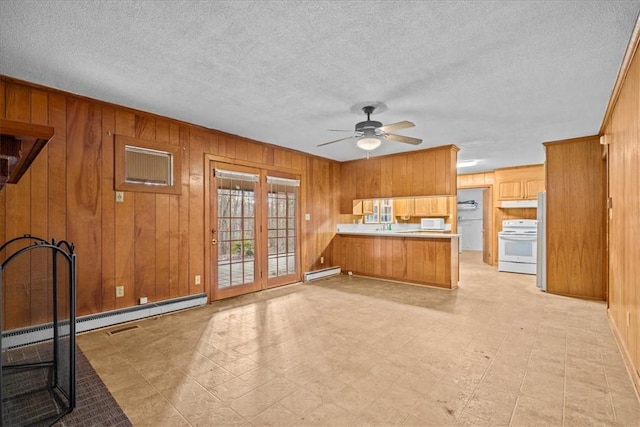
[405,255]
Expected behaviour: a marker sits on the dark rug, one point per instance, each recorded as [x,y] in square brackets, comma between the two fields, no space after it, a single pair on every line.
[27,401]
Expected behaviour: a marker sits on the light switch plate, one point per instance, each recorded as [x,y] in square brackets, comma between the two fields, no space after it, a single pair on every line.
[307,217]
[119,196]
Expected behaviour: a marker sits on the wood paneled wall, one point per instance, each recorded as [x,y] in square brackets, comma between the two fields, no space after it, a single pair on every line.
[152,244]
[430,172]
[575,218]
[622,133]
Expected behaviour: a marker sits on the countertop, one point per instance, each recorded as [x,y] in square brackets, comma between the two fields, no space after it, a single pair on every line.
[420,234]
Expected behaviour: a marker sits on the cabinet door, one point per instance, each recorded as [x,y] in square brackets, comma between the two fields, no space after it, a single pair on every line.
[367,207]
[357,207]
[438,206]
[532,187]
[403,207]
[422,206]
[510,190]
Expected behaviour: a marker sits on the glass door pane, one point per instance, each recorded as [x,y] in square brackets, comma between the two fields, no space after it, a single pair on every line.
[282,230]
[234,239]
[386,211]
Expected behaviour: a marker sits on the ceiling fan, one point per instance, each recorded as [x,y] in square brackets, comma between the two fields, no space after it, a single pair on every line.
[371,133]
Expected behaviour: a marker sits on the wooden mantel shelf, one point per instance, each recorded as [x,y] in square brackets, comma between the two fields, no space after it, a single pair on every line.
[19,147]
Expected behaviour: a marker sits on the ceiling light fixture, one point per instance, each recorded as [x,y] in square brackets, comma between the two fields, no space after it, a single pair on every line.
[466,163]
[368,143]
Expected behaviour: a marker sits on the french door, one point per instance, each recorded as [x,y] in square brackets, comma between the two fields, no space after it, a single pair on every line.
[254,230]
[282,233]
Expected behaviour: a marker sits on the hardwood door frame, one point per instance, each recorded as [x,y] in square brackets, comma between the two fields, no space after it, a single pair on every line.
[256,285]
[487,206]
[210,159]
[490,235]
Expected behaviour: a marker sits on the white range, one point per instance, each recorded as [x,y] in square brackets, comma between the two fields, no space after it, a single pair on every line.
[517,246]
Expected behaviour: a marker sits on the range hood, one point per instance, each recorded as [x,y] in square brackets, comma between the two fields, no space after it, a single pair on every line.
[519,204]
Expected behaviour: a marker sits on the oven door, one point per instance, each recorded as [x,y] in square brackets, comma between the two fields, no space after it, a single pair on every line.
[518,248]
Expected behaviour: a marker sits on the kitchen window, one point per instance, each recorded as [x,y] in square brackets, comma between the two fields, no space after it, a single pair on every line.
[382,212]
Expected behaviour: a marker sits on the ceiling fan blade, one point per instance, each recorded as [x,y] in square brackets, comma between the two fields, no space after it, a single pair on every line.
[333,142]
[405,139]
[396,126]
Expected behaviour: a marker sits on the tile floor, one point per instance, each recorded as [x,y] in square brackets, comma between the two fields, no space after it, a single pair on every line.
[349,351]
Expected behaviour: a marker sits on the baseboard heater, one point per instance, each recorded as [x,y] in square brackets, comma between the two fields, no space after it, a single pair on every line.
[39,333]
[319,274]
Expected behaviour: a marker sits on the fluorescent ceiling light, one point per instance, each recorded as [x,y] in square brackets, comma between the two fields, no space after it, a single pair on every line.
[466,163]
[368,143]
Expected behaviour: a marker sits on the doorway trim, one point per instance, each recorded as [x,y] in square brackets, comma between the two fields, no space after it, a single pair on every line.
[206,162]
[492,235]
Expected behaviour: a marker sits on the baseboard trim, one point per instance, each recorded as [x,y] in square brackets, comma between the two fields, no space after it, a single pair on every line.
[44,332]
[631,370]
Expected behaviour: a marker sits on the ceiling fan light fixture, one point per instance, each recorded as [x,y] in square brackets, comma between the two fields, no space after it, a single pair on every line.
[368,143]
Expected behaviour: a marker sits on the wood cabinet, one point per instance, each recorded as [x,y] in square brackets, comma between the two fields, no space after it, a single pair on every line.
[423,261]
[431,206]
[475,180]
[357,207]
[404,207]
[362,207]
[576,221]
[418,173]
[521,183]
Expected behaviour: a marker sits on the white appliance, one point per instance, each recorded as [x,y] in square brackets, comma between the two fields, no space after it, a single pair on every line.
[541,270]
[432,224]
[517,246]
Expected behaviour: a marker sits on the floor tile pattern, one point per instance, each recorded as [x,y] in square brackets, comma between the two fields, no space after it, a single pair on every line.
[352,351]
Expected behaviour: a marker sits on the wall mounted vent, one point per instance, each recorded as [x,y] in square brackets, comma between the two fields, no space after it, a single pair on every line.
[146,166]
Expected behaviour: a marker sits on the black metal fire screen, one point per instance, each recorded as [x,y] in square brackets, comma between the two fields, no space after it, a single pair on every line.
[38,285]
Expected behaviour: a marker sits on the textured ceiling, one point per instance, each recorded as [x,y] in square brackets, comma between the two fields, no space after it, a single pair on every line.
[494,78]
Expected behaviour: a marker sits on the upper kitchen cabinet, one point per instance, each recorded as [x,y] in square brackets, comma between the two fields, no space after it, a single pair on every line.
[519,183]
[404,207]
[475,180]
[362,207]
[430,172]
[431,206]
[19,147]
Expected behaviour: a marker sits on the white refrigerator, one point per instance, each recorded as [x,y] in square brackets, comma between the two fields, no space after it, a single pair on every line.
[541,263]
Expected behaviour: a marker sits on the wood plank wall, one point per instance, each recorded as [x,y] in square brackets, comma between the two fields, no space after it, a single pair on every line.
[622,133]
[575,218]
[151,243]
[429,172]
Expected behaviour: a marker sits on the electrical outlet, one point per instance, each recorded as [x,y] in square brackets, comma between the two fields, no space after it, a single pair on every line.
[197,281]
[143,300]
[119,196]
[321,260]
[119,291]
